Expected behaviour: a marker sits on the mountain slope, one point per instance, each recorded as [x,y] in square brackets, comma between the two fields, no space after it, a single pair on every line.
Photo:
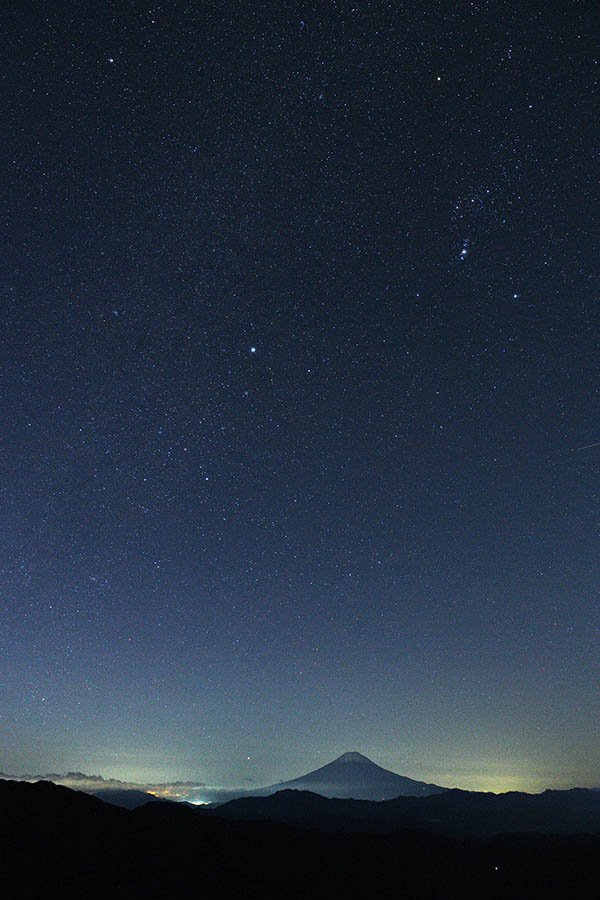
[353,775]
[127,798]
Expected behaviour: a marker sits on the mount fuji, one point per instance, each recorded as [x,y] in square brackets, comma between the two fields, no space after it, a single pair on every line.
[353,775]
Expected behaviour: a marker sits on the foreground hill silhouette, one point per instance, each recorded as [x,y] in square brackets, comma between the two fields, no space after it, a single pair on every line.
[56,840]
[354,775]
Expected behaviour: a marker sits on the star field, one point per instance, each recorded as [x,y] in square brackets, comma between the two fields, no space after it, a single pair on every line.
[299,390]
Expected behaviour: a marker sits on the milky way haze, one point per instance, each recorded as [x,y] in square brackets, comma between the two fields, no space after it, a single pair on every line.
[299,390]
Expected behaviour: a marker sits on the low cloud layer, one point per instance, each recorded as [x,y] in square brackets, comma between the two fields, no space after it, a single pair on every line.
[183,791]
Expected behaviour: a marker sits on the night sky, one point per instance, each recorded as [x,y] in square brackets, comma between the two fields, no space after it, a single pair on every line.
[300,432]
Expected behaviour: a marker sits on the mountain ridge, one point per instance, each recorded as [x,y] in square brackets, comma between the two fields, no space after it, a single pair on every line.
[453,813]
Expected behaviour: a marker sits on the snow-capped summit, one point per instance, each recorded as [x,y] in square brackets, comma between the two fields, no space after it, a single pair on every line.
[352,756]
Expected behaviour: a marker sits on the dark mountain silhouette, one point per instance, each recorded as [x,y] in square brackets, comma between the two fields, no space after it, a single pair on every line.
[353,775]
[453,812]
[129,798]
[54,839]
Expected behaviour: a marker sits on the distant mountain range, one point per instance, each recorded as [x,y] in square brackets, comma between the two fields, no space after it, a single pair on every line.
[353,775]
[453,812]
